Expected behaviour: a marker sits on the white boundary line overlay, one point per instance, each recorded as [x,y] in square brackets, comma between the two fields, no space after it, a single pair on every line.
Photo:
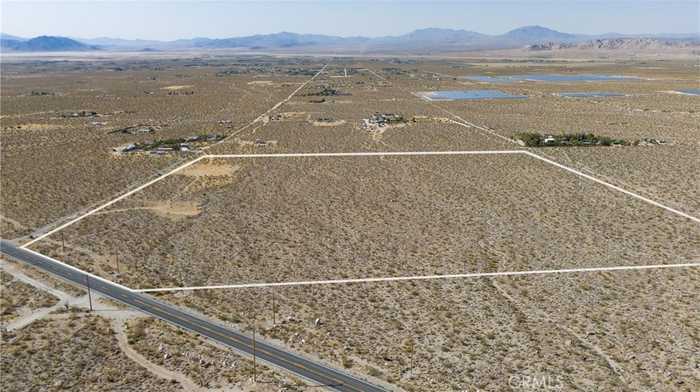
[270,110]
[109,203]
[463,123]
[614,187]
[290,155]
[381,279]
[70,222]
[421,277]
[364,154]
[282,102]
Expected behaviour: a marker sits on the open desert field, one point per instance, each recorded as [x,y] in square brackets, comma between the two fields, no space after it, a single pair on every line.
[75,351]
[20,298]
[255,220]
[50,338]
[486,334]
[274,219]
[71,353]
[60,123]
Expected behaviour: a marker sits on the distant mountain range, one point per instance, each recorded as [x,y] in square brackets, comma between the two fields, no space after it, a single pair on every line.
[42,44]
[423,40]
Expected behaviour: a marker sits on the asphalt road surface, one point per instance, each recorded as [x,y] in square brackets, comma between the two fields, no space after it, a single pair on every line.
[324,376]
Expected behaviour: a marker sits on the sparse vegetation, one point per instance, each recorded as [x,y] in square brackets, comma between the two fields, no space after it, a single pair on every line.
[223,222]
[55,356]
[325,91]
[172,145]
[206,365]
[18,298]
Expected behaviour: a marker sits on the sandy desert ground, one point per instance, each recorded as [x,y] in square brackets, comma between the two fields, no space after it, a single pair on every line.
[227,221]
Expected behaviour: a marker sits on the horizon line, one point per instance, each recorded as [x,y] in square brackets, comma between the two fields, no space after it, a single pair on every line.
[591,35]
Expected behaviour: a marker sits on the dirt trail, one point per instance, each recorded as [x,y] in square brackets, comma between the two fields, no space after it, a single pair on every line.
[614,366]
[106,309]
[34,314]
[31,316]
[186,383]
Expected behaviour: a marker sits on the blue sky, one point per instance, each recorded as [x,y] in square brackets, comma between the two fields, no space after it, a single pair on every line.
[168,20]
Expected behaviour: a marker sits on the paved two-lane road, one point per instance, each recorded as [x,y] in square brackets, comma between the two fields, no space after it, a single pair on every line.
[330,378]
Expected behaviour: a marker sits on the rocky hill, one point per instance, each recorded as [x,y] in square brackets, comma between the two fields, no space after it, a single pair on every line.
[44,44]
[434,40]
[618,44]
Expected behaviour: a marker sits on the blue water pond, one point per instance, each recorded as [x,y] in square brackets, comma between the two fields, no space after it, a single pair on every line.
[690,91]
[469,94]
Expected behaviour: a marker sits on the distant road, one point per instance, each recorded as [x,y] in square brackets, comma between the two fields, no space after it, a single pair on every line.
[329,378]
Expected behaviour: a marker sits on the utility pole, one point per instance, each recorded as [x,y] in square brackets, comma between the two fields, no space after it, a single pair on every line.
[255,374]
[63,244]
[274,309]
[87,283]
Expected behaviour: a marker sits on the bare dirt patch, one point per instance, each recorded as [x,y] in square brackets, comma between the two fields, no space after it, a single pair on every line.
[292,115]
[177,87]
[327,123]
[378,132]
[175,210]
[261,83]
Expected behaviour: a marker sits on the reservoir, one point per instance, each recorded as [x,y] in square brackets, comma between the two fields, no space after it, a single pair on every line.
[456,95]
[690,91]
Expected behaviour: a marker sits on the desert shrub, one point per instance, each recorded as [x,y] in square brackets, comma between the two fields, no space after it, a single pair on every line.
[530,139]
[374,372]
[137,331]
[348,362]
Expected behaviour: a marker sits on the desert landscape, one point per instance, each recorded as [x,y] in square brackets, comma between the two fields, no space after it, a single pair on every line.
[184,173]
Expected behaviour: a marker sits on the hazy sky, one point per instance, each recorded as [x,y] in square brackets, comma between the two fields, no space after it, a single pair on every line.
[168,20]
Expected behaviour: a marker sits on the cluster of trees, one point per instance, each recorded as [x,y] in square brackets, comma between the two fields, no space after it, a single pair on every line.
[326,92]
[532,139]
